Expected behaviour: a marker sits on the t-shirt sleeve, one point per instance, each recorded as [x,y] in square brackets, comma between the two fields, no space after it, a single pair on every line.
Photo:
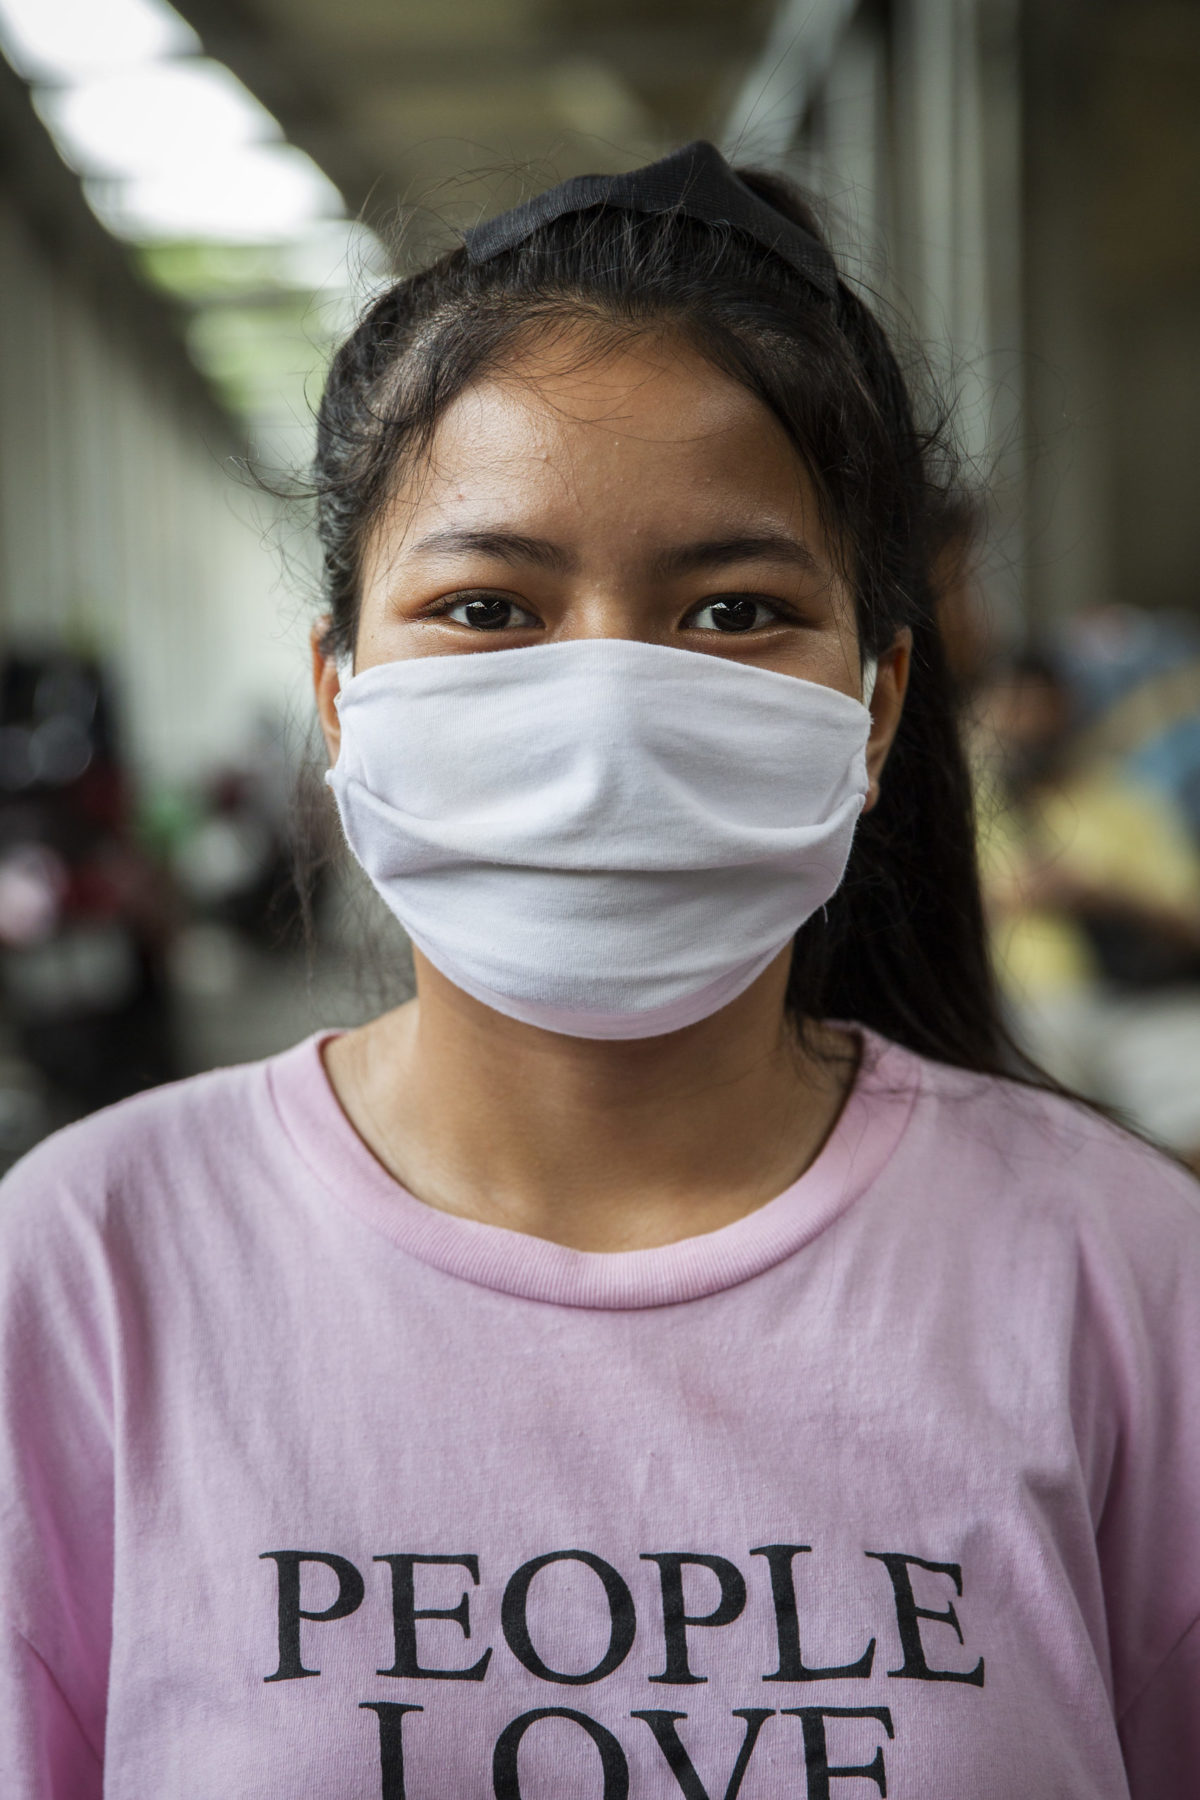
[56,1474]
[1160,1731]
[1139,1383]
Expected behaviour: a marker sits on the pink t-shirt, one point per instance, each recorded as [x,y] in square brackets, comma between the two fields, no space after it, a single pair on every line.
[308,1490]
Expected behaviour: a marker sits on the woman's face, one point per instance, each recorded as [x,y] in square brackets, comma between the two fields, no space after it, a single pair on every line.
[642,494]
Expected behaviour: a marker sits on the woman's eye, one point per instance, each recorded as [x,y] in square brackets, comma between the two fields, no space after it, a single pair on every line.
[736,613]
[491,612]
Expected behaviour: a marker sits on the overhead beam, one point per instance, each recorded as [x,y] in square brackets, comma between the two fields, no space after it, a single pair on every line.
[311,85]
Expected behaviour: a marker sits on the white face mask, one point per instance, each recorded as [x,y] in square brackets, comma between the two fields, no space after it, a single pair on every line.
[605,838]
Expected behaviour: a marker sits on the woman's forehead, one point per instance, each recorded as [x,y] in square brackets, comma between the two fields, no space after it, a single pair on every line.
[647,428]
[656,388]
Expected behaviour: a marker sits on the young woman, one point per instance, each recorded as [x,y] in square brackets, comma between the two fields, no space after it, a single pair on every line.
[670,1356]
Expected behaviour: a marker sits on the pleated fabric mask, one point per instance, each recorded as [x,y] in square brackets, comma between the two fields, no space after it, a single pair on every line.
[601,837]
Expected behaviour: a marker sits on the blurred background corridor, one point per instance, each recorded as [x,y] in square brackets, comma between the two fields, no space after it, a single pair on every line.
[193,202]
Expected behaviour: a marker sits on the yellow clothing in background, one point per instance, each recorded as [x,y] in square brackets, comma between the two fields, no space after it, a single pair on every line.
[1099,832]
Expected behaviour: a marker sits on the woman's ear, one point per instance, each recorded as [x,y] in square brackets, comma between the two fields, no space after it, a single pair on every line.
[887,704]
[326,687]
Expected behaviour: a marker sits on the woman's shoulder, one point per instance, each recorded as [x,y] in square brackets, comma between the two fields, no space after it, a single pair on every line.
[161,1142]
[1014,1151]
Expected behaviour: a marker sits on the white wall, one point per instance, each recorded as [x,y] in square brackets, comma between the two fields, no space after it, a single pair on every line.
[125,526]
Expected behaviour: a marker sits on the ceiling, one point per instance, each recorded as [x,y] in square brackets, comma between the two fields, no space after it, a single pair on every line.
[425,112]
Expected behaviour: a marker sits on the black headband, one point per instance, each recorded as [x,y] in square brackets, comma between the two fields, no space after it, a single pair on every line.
[695,181]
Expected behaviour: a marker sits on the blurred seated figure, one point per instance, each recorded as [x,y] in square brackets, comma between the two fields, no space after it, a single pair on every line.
[85,913]
[1092,879]
[234,866]
[1137,678]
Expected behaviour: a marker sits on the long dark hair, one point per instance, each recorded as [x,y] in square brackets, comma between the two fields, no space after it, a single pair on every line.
[902,945]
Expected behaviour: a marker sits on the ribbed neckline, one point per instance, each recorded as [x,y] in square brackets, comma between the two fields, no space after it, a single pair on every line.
[867,1132]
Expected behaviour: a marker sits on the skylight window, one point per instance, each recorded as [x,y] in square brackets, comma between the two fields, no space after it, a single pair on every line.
[238,227]
[61,41]
[154,118]
[263,194]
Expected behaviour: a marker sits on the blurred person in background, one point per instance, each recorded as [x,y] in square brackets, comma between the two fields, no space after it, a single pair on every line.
[1092,877]
[1135,679]
[234,863]
[687,1301]
[85,913]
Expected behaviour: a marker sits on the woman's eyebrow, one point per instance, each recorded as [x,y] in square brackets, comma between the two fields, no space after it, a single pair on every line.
[682,559]
[505,546]
[757,546]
